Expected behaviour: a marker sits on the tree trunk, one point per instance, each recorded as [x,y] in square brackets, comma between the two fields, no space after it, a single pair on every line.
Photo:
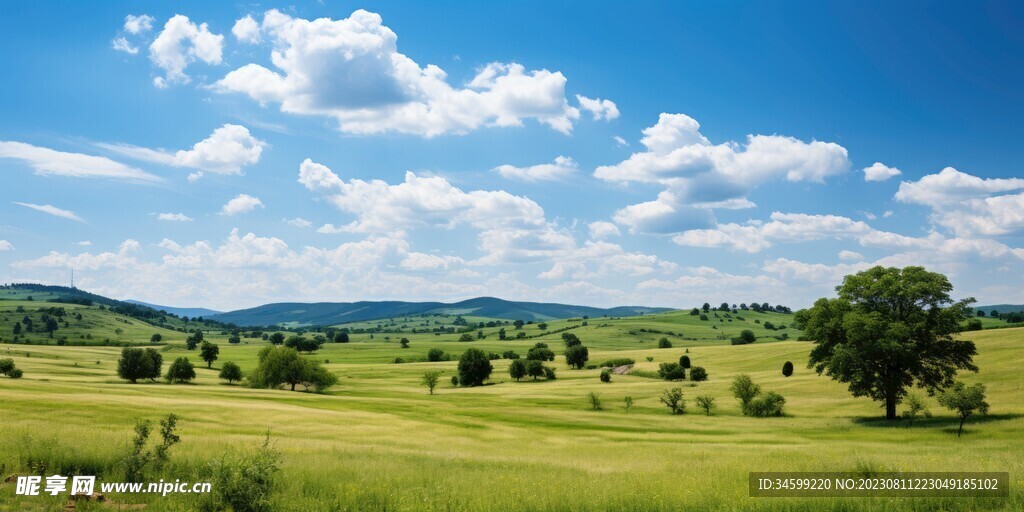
[961,431]
[293,386]
[890,405]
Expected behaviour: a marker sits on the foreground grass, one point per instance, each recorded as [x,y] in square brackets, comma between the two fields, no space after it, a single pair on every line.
[377,441]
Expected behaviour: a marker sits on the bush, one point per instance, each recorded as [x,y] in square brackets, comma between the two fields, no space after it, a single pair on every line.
[466,337]
[517,369]
[245,483]
[673,399]
[746,337]
[973,325]
[474,367]
[16,373]
[619,361]
[156,338]
[707,403]
[744,389]
[703,317]
[671,371]
[577,356]
[698,374]
[230,372]
[181,371]
[549,373]
[606,375]
[595,401]
[6,366]
[664,343]
[435,355]
[787,369]
[509,354]
[768,404]
[455,380]
[684,361]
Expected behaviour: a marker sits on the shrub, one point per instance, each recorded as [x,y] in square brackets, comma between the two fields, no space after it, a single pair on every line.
[181,371]
[15,373]
[474,367]
[628,402]
[549,373]
[619,361]
[671,371]
[768,404]
[230,372]
[664,343]
[6,366]
[787,369]
[517,369]
[703,317]
[673,399]
[156,338]
[707,403]
[744,389]
[435,354]
[510,354]
[684,361]
[915,406]
[244,483]
[649,359]
[493,356]
[746,337]
[595,401]
[404,342]
[698,374]
[466,337]
[973,325]
[606,375]
[455,380]
[577,356]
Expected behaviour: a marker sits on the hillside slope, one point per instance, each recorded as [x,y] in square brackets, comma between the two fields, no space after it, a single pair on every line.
[189,312]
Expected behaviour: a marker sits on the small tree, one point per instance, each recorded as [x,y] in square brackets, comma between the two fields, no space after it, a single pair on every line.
[965,401]
[628,402]
[181,371]
[534,368]
[765,405]
[915,407]
[405,344]
[137,363]
[595,401]
[474,367]
[664,343]
[540,352]
[698,374]
[194,340]
[542,326]
[570,339]
[517,369]
[466,337]
[208,351]
[341,337]
[606,375]
[455,381]
[707,403]
[671,371]
[430,378]
[744,389]
[156,338]
[549,373]
[577,356]
[746,337]
[787,369]
[435,355]
[673,399]
[230,372]
[277,338]
[684,361]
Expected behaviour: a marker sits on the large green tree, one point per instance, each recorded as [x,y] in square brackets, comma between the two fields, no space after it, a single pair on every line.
[889,329]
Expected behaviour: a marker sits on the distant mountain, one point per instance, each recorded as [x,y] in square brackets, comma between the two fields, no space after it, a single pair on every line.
[331,313]
[189,312]
[1001,308]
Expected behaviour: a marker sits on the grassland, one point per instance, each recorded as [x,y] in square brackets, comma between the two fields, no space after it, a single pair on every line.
[378,441]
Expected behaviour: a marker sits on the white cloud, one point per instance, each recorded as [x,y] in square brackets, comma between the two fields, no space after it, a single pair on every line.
[601,109]
[242,203]
[50,162]
[52,210]
[6,246]
[195,176]
[600,230]
[121,44]
[246,30]
[880,172]
[561,168]
[700,176]
[298,222]
[351,70]
[174,217]
[423,261]
[84,243]
[419,201]
[968,205]
[179,44]
[138,24]
[850,255]
[227,150]
[886,214]
[620,141]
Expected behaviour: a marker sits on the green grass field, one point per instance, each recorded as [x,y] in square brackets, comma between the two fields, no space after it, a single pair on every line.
[378,441]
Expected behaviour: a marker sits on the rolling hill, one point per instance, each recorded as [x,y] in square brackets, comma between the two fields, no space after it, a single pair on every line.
[1001,308]
[189,312]
[332,313]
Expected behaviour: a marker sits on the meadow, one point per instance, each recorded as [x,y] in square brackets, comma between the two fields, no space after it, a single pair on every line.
[379,441]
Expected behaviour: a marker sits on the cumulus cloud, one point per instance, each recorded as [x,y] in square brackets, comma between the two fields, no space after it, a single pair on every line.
[52,210]
[850,255]
[174,217]
[968,205]
[351,70]
[880,172]
[121,44]
[227,150]
[298,222]
[6,246]
[180,43]
[138,24]
[600,230]
[700,176]
[561,168]
[242,203]
[84,243]
[247,30]
[600,109]
[50,162]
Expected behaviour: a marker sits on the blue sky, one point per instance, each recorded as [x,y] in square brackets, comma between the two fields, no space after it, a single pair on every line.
[648,153]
